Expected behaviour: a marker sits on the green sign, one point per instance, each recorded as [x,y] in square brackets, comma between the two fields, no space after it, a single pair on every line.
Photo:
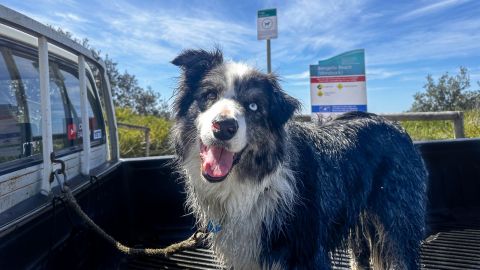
[267,13]
[348,63]
[338,84]
[267,24]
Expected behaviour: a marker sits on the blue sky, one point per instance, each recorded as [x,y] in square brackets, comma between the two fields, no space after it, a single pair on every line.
[403,40]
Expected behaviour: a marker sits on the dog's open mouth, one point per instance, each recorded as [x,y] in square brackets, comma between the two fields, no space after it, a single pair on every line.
[217,162]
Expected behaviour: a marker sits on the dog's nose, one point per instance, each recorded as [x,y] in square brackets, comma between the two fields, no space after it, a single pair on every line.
[225,128]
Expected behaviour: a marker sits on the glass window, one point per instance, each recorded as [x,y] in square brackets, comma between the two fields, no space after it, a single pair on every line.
[95,116]
[20,129]
[66,80]
[66,119]
[98,81]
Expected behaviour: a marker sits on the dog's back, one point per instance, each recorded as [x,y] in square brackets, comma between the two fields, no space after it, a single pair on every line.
[360,179]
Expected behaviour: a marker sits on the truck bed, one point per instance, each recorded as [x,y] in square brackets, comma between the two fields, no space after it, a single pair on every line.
[141,203]
[454,246]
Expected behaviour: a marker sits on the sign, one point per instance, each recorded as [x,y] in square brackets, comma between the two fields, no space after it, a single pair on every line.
[71,132]
[267,24]
[338,84]
[97,134]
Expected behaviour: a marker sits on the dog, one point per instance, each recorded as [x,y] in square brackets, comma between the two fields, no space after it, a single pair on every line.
[279,194]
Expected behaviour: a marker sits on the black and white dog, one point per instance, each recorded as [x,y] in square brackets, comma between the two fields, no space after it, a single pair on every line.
[278,194]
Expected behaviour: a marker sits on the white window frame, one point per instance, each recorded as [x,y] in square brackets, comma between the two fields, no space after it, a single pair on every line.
[21,28]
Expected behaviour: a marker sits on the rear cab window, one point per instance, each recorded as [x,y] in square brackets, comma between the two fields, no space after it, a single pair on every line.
[20,129]
[20,106]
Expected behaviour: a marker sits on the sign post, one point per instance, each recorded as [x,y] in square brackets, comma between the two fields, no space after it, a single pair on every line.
[269,57]
[267,28]
[338,84]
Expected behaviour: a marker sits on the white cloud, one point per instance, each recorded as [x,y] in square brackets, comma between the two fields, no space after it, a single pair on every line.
[71,17]
[378,89]
[124,29]
[475,77]
[307,15]
[446,40]
[70,22]
[305,83]
[428,9]
[381,73]
[158,36]
[298,76]
[314,29]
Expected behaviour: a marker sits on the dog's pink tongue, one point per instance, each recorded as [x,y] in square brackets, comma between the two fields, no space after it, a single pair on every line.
[217,161]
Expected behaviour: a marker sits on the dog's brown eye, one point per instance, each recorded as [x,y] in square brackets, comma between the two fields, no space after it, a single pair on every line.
[211,96]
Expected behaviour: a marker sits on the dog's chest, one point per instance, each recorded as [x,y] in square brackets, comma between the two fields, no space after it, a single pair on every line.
[237,221]
[238,243]
[243,219]
[245,210]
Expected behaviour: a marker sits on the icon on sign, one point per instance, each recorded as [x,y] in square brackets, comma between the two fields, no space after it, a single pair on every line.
[97,134]
[267,23]
[71,131]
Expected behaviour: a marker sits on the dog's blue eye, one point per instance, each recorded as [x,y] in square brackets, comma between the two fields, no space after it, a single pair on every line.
[212,96]
[253,106]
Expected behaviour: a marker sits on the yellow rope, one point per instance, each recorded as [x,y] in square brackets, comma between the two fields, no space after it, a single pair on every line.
[191,242]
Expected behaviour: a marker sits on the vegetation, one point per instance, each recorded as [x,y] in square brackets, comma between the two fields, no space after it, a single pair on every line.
[438,130]
[132,142]
[449,93]
[126,93]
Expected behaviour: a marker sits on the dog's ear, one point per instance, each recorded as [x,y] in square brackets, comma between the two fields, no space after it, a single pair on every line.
[195,63]
[283,106]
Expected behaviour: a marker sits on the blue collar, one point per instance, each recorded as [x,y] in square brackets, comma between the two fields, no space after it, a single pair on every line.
[212,227]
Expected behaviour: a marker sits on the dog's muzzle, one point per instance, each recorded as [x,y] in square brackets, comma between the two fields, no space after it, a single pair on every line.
[224,128]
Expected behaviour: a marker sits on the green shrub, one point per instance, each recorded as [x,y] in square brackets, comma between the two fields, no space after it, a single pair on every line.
[132,142]
[437,130]
[472,124]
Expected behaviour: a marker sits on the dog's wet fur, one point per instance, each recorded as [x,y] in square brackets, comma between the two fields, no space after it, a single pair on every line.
[286,194]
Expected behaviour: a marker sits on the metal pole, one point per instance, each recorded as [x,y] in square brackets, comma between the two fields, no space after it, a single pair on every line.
[47,142]
[269,60]
[458,124]
[112,122]
[147,142]
[85,156]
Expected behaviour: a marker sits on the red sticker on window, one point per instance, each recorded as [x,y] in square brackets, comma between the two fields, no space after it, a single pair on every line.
[71,131]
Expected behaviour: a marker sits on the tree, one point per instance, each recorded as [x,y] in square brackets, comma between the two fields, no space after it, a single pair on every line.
[450,93]
[146,103]
[126,93]
[84,42]
[112,71]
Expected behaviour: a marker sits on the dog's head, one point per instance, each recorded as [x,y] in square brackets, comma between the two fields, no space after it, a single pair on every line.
[232,114]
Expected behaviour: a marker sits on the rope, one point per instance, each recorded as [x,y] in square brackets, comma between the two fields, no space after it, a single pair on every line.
[191,242]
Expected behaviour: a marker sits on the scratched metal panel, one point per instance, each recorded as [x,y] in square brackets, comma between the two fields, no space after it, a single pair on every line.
[20,181]
[98,156]
[19,195]
[25,183]
[19,185]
